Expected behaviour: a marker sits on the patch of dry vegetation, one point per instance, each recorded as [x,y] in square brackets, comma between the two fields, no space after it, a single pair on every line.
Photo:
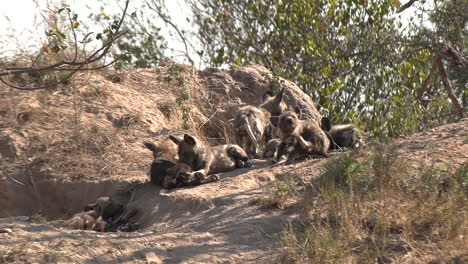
[377,209]
[282,192]
[65,143]
[93,127]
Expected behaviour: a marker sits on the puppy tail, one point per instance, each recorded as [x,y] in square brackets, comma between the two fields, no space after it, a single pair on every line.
[151,146]
[250,133]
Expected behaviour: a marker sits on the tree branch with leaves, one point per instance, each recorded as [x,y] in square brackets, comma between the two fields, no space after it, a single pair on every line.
[75,63]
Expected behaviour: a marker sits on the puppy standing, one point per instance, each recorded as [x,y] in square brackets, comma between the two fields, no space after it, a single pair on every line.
[300,137]
[251,123]
[209,160]
[342,136]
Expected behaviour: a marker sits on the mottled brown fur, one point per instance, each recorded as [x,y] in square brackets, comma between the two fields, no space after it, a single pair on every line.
[271,148]
[250,123]
[94,215]
[84,221]
[180,176]
[205,161]
[105,207]
[165,150]
[300,137]
[342,136]
[169,174]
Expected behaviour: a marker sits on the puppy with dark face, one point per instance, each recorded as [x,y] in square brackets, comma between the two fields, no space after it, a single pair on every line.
[164,157]
[300,137]
[165,150]
[342,136]
[251,123]
[105,207]
[159,171]
[180,176]
[170,173]
[205,161]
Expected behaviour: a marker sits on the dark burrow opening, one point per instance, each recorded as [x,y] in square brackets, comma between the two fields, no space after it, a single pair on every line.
[63,203]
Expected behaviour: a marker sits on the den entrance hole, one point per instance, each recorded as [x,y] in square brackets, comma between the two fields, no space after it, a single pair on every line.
[49,198]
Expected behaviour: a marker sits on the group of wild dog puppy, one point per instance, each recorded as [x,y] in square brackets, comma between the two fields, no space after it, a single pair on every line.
[104,215]
[271,128]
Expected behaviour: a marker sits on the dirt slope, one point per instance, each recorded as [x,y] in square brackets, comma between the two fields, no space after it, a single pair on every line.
[90,131]
[220,222]
[43,170]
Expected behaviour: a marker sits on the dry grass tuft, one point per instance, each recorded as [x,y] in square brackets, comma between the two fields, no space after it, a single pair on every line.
[282,192]
[380,210]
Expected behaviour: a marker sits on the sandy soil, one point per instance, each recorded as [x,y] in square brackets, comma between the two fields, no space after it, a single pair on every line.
[220,222]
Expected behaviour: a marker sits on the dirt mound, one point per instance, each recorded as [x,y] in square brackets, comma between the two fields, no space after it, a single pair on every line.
[92,129]
[62,149]
[221,222]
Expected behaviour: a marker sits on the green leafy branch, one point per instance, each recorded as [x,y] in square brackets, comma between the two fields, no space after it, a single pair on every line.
[58,43]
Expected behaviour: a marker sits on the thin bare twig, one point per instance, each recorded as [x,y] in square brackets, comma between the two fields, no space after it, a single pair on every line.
[168,21]
[405,6]
[18,182]
[444,52]
[449,88]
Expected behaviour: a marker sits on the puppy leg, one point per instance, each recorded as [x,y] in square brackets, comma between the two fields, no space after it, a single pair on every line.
[169,182]
[280,153]
[196,177]
[306,145]
[240,157]
[210,178]
[239,140]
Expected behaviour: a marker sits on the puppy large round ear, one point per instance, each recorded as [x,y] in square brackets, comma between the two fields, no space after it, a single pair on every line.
[274,120]
[267,95]
[298,111]
[174,139]
[325,124]
[189,140]
[89,207]
[151,146]
[279,96]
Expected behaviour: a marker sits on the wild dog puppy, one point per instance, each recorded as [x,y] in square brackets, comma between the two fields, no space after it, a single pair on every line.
[85,221]
[165,150]
[159,171]
[112,215]
[300,137]
[341,136]
[205,161]
[273,134]
[96,216]
[250,123]
[179,176]
[168,173]
[122,223]
[271,148]
[164,157]
[105,207]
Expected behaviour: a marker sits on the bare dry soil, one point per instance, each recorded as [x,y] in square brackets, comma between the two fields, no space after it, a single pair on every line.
[62,149]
